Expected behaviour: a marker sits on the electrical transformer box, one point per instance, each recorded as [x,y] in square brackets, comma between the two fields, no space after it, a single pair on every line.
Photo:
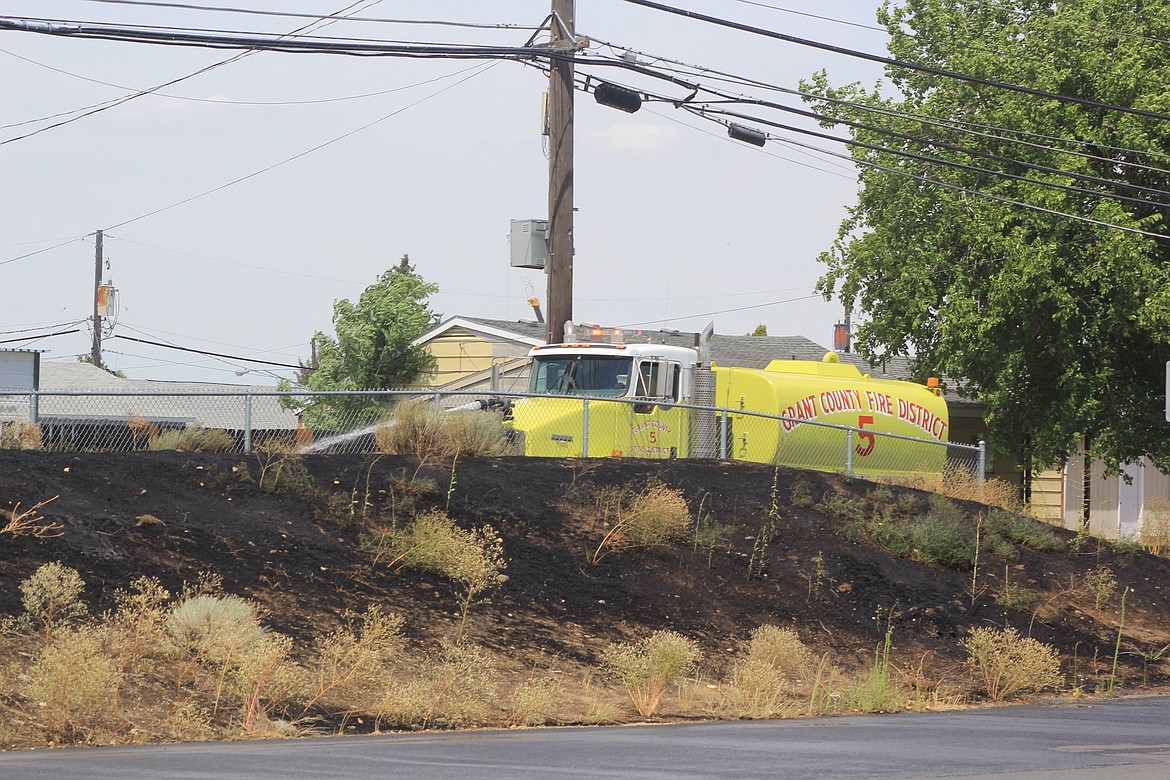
[529,239]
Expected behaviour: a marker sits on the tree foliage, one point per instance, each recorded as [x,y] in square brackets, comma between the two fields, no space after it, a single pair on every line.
[373,349]
[1061,326]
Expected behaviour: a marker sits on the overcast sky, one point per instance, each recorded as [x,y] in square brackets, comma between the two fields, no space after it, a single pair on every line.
[677,225]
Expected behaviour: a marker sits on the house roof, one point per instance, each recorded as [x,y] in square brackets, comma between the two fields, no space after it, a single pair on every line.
[215,410]
[520,332]
[750,351]
[727,350]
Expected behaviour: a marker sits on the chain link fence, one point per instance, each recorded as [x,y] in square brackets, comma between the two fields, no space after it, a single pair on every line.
[534,425]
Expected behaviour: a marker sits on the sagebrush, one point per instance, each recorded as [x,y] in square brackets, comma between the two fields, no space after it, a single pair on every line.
[421,428]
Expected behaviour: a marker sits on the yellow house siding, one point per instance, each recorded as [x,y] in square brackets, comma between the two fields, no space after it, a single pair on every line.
[1048,496]
[460,353]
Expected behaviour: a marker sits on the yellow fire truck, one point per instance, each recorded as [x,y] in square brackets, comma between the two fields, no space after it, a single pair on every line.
[663,401]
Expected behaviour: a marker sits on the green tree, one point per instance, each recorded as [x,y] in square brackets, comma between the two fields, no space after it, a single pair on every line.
[1060,325]
[372,349]
[761,330]
[89,359]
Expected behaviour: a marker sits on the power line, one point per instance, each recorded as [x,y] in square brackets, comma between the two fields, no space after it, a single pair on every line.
[31,339]
[722,311]
[143,332]
[105,106]
[770,153]
[704,110]
[205,352]
[214,101]
[366,47]
[965,166]
[232,263]
[42,251]
[42,241]
[893,62]
[478,68]
[232,39]
[972,128]
[99,107]
[41,327]
[920,38]
[978,193]
[807,15]
[290,15]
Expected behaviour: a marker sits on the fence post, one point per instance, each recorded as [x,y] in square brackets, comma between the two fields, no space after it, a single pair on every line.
[723,435]
[982,466]
[849,452]
[585,428]
[34,407]
[247,422]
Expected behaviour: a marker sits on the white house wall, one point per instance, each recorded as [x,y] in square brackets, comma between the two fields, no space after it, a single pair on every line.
[1117,502]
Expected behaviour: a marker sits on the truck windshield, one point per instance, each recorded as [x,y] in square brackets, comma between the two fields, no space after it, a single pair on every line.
[580,375]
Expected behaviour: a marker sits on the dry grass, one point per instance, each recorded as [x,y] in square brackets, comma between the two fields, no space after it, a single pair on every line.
[73,685]
[962,483]
[535,702]
[1008,664]
[204,667]
[52,597]
[141,431]
[355,659]
[1155,531]
[228,652]
[30,522]
[649,668]
[659,515]
[281,468]
[760,681]
[20,436]
[472,559]
[1102,583]
[263,678]
[138,623]
[194,439]
[453,689]
[415,428]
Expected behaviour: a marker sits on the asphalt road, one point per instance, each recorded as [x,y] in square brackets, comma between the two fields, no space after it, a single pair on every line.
[1126,739]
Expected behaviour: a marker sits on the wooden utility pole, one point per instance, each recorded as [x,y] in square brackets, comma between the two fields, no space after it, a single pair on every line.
[96,355]
[560,171]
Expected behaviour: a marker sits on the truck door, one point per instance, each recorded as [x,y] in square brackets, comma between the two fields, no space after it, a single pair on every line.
[658,429]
